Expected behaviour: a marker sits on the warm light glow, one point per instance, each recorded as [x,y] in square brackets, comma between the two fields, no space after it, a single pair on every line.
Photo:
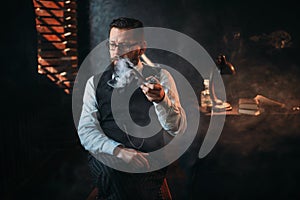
[51,77]
[67,91]
[69,58]
[51,70]
[40,70]
[55,42]
[67,34]
[67,83]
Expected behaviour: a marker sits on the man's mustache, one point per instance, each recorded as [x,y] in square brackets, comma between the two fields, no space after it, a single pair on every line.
[133,60]
[115,58]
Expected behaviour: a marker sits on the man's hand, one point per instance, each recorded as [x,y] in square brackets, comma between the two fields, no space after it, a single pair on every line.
[153,91]
[132,156]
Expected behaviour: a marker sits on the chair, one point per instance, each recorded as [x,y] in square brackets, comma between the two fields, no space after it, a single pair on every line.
[165,193]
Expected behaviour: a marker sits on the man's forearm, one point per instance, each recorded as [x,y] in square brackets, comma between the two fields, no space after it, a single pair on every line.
[90,133]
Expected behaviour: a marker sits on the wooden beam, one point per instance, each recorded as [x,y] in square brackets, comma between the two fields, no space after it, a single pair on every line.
[48,21]
[50,29]
[58,61]
[48,4]
[56,25]
[57,54]
[48,12]
[56,45]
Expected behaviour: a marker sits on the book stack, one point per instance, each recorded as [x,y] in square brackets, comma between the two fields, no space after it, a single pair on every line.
[269,105]
[248,106]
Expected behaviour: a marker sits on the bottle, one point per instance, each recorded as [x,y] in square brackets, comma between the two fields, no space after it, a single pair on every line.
[206,102]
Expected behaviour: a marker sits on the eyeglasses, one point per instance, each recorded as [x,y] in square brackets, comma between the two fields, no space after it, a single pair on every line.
[121,46]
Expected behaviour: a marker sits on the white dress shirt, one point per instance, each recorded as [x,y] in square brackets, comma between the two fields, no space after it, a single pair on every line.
[169,112]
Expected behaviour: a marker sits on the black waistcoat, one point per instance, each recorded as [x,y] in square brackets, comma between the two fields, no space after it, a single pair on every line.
[138,108]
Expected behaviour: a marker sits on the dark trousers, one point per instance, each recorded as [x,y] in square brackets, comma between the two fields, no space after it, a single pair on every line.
[116,185]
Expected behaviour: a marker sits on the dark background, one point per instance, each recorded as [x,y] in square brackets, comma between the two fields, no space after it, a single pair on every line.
[255,158]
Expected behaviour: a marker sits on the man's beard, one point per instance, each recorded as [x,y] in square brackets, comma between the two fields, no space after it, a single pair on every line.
[133,57]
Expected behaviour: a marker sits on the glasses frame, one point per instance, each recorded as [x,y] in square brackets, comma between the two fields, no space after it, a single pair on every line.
[122,46]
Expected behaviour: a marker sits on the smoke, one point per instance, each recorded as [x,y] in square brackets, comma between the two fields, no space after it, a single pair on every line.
[123,74]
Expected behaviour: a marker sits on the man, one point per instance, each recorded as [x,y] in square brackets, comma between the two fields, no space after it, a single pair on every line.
[101,135]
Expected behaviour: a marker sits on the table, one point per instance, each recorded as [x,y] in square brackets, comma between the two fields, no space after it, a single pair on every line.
[256,157]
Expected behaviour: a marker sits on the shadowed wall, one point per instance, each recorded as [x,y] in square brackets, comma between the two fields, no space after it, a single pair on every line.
[38,137]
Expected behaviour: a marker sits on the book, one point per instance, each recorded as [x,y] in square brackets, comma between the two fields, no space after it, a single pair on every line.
[267,102]
[248,106]
[248,103]
[258,104]
[249,111]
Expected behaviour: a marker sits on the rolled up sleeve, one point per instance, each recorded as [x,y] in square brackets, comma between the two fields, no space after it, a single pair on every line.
[90,133]
[170,113]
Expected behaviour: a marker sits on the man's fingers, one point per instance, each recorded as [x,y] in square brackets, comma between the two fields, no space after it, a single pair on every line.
[144,154]
[152,79]
[153,86]
[149,85]
[153,93]
[138,162]
[145,89]
[151,89]
[144,160]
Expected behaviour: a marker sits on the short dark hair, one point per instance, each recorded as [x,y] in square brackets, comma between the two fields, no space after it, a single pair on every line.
[125,23]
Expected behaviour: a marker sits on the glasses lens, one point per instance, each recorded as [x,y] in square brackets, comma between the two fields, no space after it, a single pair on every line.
[121,47]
